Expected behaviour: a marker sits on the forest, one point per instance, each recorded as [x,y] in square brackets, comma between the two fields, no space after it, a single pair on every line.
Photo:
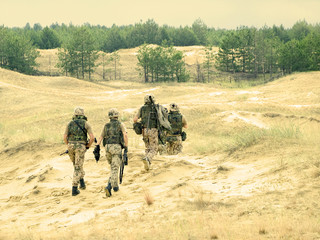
[247,50]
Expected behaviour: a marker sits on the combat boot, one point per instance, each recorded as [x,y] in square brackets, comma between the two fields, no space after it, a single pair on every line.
[108,190]
[146,163]
[75,191]
[82,184]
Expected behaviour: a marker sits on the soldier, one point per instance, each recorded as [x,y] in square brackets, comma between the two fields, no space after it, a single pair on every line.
[162,148]
[75,137]
[149,119]
[114,137]
[177,121]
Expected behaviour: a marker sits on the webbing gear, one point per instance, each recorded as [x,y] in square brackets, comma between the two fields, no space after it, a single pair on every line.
[76,129]
[175,119]
[113,133]
[148,116]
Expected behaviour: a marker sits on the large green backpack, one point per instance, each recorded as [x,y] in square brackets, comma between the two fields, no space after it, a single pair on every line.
[76,129]
[175,119]
[149,116]
[113,133]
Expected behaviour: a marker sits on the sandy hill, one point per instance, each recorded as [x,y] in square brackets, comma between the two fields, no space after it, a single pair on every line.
[249,168]
[127,66]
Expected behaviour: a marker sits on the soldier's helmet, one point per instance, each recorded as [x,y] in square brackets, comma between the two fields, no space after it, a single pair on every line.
[174,107]
[147,98]
[113,113]
[78,111]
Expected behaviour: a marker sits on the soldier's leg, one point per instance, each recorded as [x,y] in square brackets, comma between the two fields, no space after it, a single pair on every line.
[108,157]
[71,152]
[146,140]
[78,173]
[114,159]
[180,146]
[114,174]
[169,148]
[176,147]
[153,144]
[162,149]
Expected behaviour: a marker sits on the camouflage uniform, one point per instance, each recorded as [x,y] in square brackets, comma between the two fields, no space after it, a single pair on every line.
[148,116]
[150,138]
[77,140]
[177,121]
[112,141]
[76,153]
[162,148]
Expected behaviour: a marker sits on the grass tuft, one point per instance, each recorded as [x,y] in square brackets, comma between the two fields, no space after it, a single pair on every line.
[148,198]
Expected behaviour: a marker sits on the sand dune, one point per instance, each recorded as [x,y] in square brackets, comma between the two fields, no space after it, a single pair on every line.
[249,168]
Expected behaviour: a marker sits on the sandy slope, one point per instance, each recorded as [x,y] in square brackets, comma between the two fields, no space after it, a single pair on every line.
[127,66]
[251,193]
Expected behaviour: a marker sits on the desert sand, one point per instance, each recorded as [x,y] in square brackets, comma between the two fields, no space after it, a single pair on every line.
[249,168]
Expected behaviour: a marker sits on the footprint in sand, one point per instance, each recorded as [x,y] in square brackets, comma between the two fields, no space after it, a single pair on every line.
[59,192]
[15,199]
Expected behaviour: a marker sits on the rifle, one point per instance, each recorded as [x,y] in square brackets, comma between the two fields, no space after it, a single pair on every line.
[123,162]
[158,123]
[96,151]
[65,152]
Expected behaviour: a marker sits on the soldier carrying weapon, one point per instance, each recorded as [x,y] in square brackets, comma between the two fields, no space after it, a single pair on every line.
[114,138]
[76,137]
[153,119]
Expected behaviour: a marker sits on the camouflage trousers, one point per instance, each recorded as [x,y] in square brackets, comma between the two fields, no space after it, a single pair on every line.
[174,145]
[113,155]
[162,149]
[76,153]
[150,138]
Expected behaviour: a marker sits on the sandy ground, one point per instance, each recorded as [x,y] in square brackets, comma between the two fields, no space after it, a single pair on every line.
[127,66]
[263,191]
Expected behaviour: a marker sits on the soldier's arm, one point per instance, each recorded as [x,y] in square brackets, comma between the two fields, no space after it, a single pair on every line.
[91,140]
[184,122]
[101,137]
[65,139]
[125,135]
[99,140]
[137,116]
[65,136]
[91,136]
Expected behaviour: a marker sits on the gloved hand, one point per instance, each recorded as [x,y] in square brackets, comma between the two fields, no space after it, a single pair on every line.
[96,152]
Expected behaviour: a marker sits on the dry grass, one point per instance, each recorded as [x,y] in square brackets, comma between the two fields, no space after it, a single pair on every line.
[271,192]
[148,197]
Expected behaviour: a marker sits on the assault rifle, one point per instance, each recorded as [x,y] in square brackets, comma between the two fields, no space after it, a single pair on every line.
[123,162]
[65,152]
[158,122]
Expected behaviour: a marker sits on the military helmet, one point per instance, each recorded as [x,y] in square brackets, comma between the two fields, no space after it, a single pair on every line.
[78,111]
[113,113]
[174,107]
[147,98]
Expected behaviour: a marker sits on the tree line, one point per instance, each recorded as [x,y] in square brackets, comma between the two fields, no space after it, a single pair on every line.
[245,50]
[268,51]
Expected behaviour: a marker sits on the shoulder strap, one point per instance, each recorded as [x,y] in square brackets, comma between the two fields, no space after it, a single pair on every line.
[84,131]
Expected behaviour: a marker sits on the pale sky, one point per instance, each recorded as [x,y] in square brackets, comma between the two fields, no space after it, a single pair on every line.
[228,14]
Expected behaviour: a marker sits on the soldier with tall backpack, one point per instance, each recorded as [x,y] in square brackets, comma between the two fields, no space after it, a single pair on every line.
[175,136]
[76,137]
[153,120]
